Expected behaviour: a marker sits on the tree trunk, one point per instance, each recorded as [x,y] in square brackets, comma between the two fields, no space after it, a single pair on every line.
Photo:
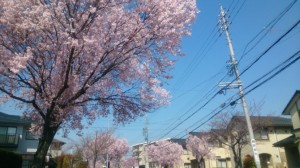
[94,162]
[240,157]
[236,158]
[202,163]
[44,144]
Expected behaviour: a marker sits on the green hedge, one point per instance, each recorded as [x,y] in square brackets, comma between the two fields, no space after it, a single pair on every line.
[10,159]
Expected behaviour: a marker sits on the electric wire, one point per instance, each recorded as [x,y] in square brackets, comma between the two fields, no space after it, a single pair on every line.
[255,61]
[272,70]
[270,47]
[210,92]
[198,58]
[249,91]
[189,71]
[289,61]
[264,81]
[267,29]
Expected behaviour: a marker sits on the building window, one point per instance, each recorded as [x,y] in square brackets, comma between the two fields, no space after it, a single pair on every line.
[221,163]
[8,135]
[261,133]
[26,164]
[187,165]
[214,143]
[30,136]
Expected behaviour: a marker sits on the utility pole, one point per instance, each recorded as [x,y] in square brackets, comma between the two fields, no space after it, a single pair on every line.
[145,129]
[145,133]
[234,66]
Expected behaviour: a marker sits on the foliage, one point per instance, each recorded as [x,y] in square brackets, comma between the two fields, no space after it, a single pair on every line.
[199,147]
[66,60]
[64,161]
[249,162]
[81,164]
[10,159]
[165,153]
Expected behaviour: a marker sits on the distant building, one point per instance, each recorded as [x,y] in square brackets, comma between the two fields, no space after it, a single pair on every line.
[268,130]
[15,136]
[139,152]
[291,144]
[221,152]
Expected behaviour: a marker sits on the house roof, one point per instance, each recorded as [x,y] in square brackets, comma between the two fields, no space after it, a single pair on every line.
[13,119]
[267,121]
[58,141]
[198,134]
[290,104]
[290,141]
[180,141]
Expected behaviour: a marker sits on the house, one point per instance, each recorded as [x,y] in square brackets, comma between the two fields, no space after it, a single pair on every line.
[187,157]
[55,148]
[220,151]
[222,158]
[267,131]
[140,153]
[15,136]
[291,144]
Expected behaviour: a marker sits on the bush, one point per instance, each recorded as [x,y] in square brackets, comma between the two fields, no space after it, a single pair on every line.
[64,161]
[10,159]
[249,162]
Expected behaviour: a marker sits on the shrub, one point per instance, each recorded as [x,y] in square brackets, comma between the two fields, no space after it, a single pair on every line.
[10,159]
[249,162]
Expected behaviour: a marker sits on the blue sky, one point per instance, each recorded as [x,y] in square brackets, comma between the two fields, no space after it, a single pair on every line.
[195,76]
[205,65]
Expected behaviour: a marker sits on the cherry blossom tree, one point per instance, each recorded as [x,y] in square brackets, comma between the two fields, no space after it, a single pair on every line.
[94,149]
[117,151]
[129,163]
[165,153]
[200,148]
[97,150]
[68,60]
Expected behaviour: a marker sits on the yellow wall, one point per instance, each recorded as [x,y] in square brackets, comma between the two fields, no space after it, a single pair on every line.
[278,158]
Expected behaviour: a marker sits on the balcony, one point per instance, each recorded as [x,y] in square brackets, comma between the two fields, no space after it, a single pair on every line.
[9,140]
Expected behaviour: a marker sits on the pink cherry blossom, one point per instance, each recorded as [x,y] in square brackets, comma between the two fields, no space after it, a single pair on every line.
[129,163]
[68,60]
[165,153]
[200,148]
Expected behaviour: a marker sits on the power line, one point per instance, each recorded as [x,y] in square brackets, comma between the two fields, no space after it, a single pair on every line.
[256,60]
[267,29]
[296,57]
[202,52]
[272,70]
[246,93]
[239,9]
[270,47]
[276,73]
[197,61]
